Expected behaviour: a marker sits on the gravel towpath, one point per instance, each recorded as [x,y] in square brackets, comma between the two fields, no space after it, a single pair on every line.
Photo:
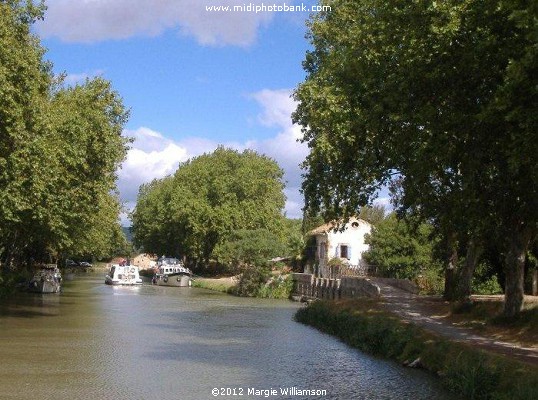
[425,312]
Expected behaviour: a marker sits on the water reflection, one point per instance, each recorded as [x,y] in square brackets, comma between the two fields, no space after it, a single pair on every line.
[149,342]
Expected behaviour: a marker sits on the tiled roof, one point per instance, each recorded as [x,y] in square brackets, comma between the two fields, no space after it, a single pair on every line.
[326,228]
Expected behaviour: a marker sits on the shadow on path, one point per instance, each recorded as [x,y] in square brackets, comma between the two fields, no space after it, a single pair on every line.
[415,309]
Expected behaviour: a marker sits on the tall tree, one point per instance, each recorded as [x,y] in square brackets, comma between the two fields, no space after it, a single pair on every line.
[400,250]
[60,148]
[208,198]
[24,86]
[426,91]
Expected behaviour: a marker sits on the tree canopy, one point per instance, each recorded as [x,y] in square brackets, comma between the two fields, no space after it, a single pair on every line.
[399,250]
[209,200]
[426,95]
[60,147]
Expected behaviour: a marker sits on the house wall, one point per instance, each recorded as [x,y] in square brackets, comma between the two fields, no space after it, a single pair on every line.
[352,236]
[144,261]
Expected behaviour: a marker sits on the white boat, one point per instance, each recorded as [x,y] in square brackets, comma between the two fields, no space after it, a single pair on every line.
[172,272]
[123,275]
[47,280]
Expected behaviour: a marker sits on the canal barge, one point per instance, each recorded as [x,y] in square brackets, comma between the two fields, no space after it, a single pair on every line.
[126,275]
[47,280]
[172,272]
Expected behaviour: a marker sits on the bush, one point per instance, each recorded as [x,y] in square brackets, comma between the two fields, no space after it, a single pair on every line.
[251,281]
[488,286]
[430,281]
[277,287]
[10,280]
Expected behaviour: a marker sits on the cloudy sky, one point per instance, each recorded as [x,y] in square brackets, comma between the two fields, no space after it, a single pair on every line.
[192,78]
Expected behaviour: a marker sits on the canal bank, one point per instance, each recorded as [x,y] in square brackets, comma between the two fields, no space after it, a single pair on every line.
[463,369]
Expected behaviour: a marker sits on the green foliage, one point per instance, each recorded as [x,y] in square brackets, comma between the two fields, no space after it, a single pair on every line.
[211,206]
[489,286]
[485,281]
[372,214]
[430,282]
[252,280]
[438,99]
[250,247]
[400,251]
[277,287]
[216,286]
[294,241]
[60,148]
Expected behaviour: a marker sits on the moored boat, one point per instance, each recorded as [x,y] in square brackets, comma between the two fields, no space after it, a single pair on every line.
[123,275]
[172,272]
[47,280]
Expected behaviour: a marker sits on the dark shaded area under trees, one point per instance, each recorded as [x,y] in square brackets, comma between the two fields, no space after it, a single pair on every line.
[439,100]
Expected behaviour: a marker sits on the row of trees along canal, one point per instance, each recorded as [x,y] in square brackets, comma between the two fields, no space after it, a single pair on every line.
[437,99]
[60,147]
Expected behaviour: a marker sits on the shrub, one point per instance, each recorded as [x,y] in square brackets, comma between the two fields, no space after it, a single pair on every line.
[251,281]
[488,286]
[277,287]
[430,281]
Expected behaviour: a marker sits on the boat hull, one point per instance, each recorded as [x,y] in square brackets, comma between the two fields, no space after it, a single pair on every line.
[176,280]
[123,275]
[47,280]
[45,287]
[122,282]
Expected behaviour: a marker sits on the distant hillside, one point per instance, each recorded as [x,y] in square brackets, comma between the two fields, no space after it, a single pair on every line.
[127,232]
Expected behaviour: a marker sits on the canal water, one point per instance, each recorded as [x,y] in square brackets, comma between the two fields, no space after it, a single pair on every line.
[94,341]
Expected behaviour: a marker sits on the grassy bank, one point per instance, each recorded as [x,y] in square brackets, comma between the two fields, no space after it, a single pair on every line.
[225,285]
[278,287]
[464,370]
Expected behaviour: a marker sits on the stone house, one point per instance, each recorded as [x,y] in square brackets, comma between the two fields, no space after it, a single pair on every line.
[144,261]
[346,244]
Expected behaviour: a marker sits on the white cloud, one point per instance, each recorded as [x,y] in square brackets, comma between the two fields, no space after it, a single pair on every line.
[277,106]
[151,156]
[154,156]
[90,21]
[73,79]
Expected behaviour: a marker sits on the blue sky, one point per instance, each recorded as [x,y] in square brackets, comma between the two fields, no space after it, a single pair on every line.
[192,78]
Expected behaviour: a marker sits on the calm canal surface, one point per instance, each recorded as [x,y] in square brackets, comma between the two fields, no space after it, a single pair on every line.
[94,341]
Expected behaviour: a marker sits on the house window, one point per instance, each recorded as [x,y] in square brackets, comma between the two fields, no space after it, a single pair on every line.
[322,250]
[344,251]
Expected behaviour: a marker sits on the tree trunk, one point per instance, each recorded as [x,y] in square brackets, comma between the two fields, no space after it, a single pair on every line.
[515,270]
[451,269]
[467,271]
[534,283]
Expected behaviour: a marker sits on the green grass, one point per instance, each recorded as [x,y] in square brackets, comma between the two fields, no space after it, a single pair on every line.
[463,369]
[527,318]
[213,285]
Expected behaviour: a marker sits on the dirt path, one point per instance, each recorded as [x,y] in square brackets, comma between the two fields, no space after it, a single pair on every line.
[429,315]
